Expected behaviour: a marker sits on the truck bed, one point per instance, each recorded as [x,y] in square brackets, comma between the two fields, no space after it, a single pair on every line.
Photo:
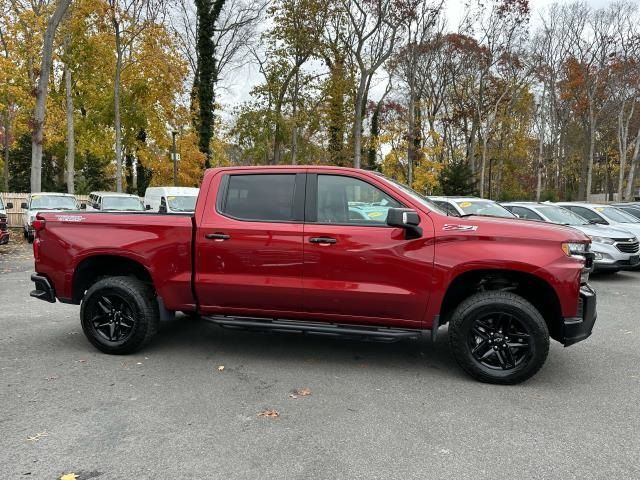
[161,243]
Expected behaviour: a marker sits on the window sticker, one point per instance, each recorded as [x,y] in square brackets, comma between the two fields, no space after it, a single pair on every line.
[464,204]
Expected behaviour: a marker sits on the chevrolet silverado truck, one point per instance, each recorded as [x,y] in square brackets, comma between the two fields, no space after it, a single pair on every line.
[328,251]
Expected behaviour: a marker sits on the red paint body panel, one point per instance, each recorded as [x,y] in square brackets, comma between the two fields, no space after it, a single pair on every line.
[371,275]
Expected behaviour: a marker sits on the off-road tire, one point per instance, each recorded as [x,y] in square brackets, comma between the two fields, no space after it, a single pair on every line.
[141,303]
[484,304]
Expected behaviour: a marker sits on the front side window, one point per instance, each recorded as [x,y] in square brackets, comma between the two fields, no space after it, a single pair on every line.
[348,200]
[265,197]
[616,215]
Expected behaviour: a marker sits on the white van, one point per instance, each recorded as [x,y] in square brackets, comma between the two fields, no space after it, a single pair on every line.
[171,199]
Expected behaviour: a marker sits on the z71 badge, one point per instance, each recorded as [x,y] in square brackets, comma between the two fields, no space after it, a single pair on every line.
[70,218]
[450,227]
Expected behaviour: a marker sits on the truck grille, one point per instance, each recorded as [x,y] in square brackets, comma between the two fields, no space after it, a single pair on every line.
[627,245]
[3,223]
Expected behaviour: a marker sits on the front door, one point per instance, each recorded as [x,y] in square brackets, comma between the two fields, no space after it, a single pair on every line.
[249,245]
[356,268]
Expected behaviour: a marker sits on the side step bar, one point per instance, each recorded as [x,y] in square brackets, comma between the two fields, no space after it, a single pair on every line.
[381,334]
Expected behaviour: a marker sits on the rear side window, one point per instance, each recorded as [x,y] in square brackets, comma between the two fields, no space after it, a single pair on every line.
[587,214]
[268,197]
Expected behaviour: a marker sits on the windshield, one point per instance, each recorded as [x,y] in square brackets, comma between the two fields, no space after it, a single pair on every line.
[53,202]
[415,195]
[561,215]
[122,203]
[483,207]
[616,215]
[182,203]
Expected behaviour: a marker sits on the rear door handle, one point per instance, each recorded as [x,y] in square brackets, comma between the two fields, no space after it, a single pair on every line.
[325,240]
[218,237]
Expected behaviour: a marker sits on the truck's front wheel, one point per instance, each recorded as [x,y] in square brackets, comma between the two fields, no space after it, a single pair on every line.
[119,315]
[498,337]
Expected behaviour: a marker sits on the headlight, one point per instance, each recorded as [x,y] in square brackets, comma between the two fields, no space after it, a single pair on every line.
[605,240]
[571,249]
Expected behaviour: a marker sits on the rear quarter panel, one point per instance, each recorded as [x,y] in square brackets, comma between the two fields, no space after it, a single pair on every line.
[160,243]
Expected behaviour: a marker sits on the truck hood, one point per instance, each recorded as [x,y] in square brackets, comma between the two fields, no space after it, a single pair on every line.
[513,228]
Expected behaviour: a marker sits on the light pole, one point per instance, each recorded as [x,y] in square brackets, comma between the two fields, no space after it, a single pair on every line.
[175,159]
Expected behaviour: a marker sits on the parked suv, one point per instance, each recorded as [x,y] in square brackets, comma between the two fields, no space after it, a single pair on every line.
[4,222]
[463,206]
[45,202]
[614,248]
[604,215]
[115,202]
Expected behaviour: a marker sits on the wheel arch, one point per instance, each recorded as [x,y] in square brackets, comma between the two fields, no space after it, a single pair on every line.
[92,268]
[529,286]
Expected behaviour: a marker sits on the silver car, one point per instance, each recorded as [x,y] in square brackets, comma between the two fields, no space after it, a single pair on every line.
[461,206]
[614,248]
[45,201]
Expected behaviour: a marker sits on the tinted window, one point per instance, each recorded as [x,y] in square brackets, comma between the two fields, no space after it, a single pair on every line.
[348,200]
[483,207]
[630,210]
[260,197]
[525,213]
[447,208]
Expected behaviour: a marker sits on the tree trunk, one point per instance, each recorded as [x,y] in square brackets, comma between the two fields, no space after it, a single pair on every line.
[41,91]
[71,143]
[592,147]
[483,163]
[411,144]
[5,147]
[357,122]
[629,193]
[116,114]
[294,129]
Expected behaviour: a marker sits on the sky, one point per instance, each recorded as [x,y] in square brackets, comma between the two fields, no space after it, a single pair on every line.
[238,85]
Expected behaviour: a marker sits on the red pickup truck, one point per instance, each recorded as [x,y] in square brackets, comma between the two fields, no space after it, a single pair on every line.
[329,251]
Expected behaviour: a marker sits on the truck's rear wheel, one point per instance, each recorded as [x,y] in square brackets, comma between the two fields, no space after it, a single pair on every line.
[119,315]
[498,337]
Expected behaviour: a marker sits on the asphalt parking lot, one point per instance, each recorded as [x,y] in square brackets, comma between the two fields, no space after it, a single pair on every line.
[370,411]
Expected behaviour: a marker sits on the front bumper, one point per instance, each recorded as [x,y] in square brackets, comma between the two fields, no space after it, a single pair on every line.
[44,290]
[4,238]
[578,328]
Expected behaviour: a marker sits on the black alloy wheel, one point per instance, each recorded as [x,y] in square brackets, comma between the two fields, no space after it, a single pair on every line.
[498,337]
[112,318]
[119,315]
[499,341]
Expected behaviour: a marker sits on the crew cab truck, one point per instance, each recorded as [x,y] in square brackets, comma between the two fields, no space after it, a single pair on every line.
[283,249]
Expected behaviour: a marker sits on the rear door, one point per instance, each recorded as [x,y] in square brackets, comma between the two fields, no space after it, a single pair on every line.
[249,244]
[356,268]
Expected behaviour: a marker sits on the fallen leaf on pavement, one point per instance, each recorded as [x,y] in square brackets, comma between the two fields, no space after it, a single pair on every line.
[69,476]
[269,413]
[300,392]
[37,436]
[221,368]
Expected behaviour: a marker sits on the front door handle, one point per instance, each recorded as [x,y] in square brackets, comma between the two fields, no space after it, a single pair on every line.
[218,237]
[323,240]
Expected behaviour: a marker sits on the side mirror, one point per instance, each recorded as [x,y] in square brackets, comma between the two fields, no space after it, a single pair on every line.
[24,205]
[83,206]
[147,207]
[407,219]
[9,205]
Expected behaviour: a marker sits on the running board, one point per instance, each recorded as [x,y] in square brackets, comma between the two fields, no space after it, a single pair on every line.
[380,334]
